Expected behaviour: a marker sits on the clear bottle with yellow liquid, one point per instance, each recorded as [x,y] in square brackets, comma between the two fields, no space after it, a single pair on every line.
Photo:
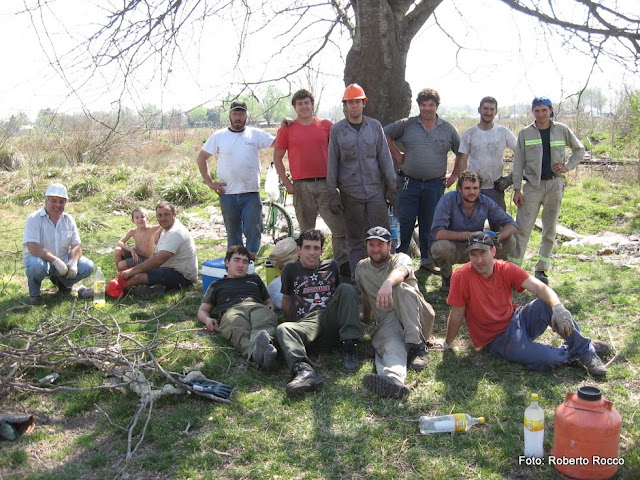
[534,429]
[98,288]
[457,422]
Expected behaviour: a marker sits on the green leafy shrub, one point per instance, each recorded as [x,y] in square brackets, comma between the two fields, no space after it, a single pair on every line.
[86,187]
[184,191]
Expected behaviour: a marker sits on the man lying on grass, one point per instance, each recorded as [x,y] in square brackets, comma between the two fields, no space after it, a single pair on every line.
[482,294]
[246,313]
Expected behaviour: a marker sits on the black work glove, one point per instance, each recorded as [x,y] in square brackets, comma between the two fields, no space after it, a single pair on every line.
[335,205]
[503,183]
[209,386]
[391,196]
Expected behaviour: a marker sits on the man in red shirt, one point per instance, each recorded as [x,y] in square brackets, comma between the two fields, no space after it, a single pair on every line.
[306,141]
[482,294]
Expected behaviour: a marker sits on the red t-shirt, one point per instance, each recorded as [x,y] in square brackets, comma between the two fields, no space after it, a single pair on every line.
[307,147]
[488,302]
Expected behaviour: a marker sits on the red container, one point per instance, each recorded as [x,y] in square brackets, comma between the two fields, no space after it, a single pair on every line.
[586,436]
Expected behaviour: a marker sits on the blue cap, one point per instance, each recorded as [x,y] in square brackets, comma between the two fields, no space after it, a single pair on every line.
[542,101]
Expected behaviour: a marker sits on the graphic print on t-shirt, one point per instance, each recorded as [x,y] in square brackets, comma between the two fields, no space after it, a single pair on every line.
[313,291]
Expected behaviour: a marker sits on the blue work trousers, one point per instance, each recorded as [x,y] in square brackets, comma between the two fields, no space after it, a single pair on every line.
[36,269]
[419,201]
[528,323]
[242,214]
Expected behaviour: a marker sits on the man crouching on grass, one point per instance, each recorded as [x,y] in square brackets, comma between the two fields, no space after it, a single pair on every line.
[246,313]
[482,294]
[173,265]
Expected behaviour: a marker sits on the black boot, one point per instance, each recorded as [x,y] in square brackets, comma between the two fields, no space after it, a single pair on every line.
[350,360]
[417,356]
[304,380]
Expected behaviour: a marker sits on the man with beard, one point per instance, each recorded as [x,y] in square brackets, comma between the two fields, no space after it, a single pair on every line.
[238,169]
[173,265]
[482,295]
[403,317]
[457,215]
[482,149]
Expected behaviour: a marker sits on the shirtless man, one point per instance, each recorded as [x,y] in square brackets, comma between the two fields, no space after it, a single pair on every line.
[144,237]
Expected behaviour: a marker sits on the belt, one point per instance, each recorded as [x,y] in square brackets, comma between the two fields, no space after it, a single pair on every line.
[312,179]
[420,179]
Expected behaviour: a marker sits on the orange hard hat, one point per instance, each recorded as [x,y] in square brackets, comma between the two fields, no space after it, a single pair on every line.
[354,92]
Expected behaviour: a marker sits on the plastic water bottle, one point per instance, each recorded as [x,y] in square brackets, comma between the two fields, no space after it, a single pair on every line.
[394,225]
[458,422]
[98,289]
[534,429]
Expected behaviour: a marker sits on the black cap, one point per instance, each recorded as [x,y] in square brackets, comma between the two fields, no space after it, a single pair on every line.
[479,241]
[238,106]
[380,233]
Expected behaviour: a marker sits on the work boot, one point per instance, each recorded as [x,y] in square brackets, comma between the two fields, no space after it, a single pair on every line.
[350,360]
[35,300]
[540,275]
[270,359]
[264,353]
[592,363]
[427,264]
[602,350]
[383,387]
[446,284]
[417,356]
[62,288]
[148,290]
[304,380]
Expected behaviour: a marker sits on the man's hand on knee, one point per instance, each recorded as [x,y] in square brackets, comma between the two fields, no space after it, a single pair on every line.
[561,320]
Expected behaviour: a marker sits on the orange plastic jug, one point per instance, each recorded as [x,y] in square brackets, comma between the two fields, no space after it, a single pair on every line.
[586,436]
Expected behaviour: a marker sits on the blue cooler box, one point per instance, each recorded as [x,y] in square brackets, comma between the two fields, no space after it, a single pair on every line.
[213,270]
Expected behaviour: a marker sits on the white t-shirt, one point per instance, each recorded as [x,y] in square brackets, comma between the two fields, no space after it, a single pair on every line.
[486,149]
[238,160]
[179,241]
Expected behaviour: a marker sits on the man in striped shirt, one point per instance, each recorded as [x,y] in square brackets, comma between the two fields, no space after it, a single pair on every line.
[426,140]
[540,160]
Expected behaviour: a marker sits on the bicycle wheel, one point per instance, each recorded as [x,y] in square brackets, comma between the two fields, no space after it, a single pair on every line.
[277,222]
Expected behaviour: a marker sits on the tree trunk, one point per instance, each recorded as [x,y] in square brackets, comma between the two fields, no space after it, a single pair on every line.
[377,59]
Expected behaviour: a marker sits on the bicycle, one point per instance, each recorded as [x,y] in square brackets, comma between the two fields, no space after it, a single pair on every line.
[277,223]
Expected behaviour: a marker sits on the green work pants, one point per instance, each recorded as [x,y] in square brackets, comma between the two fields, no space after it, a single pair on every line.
[242,322]
[338,322]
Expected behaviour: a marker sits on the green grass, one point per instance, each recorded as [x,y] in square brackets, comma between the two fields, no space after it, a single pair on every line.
[339,432]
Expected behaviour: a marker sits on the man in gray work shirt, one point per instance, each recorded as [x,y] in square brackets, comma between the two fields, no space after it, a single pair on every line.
[360,166]
[426,140]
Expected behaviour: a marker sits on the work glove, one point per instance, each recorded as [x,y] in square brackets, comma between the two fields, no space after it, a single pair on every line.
[561,320]
[503,183]
[72,268]
[391,196]
[210,386]
[335,205]
[61,268]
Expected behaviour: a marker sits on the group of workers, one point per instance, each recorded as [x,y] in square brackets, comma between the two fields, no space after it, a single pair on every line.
[345,173]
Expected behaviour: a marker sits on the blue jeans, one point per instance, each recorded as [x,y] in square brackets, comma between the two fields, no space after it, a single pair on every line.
[242,214]
[419,201]
[36,269]
[528,323]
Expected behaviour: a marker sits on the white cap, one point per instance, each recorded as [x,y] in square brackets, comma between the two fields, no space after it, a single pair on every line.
[56,190]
